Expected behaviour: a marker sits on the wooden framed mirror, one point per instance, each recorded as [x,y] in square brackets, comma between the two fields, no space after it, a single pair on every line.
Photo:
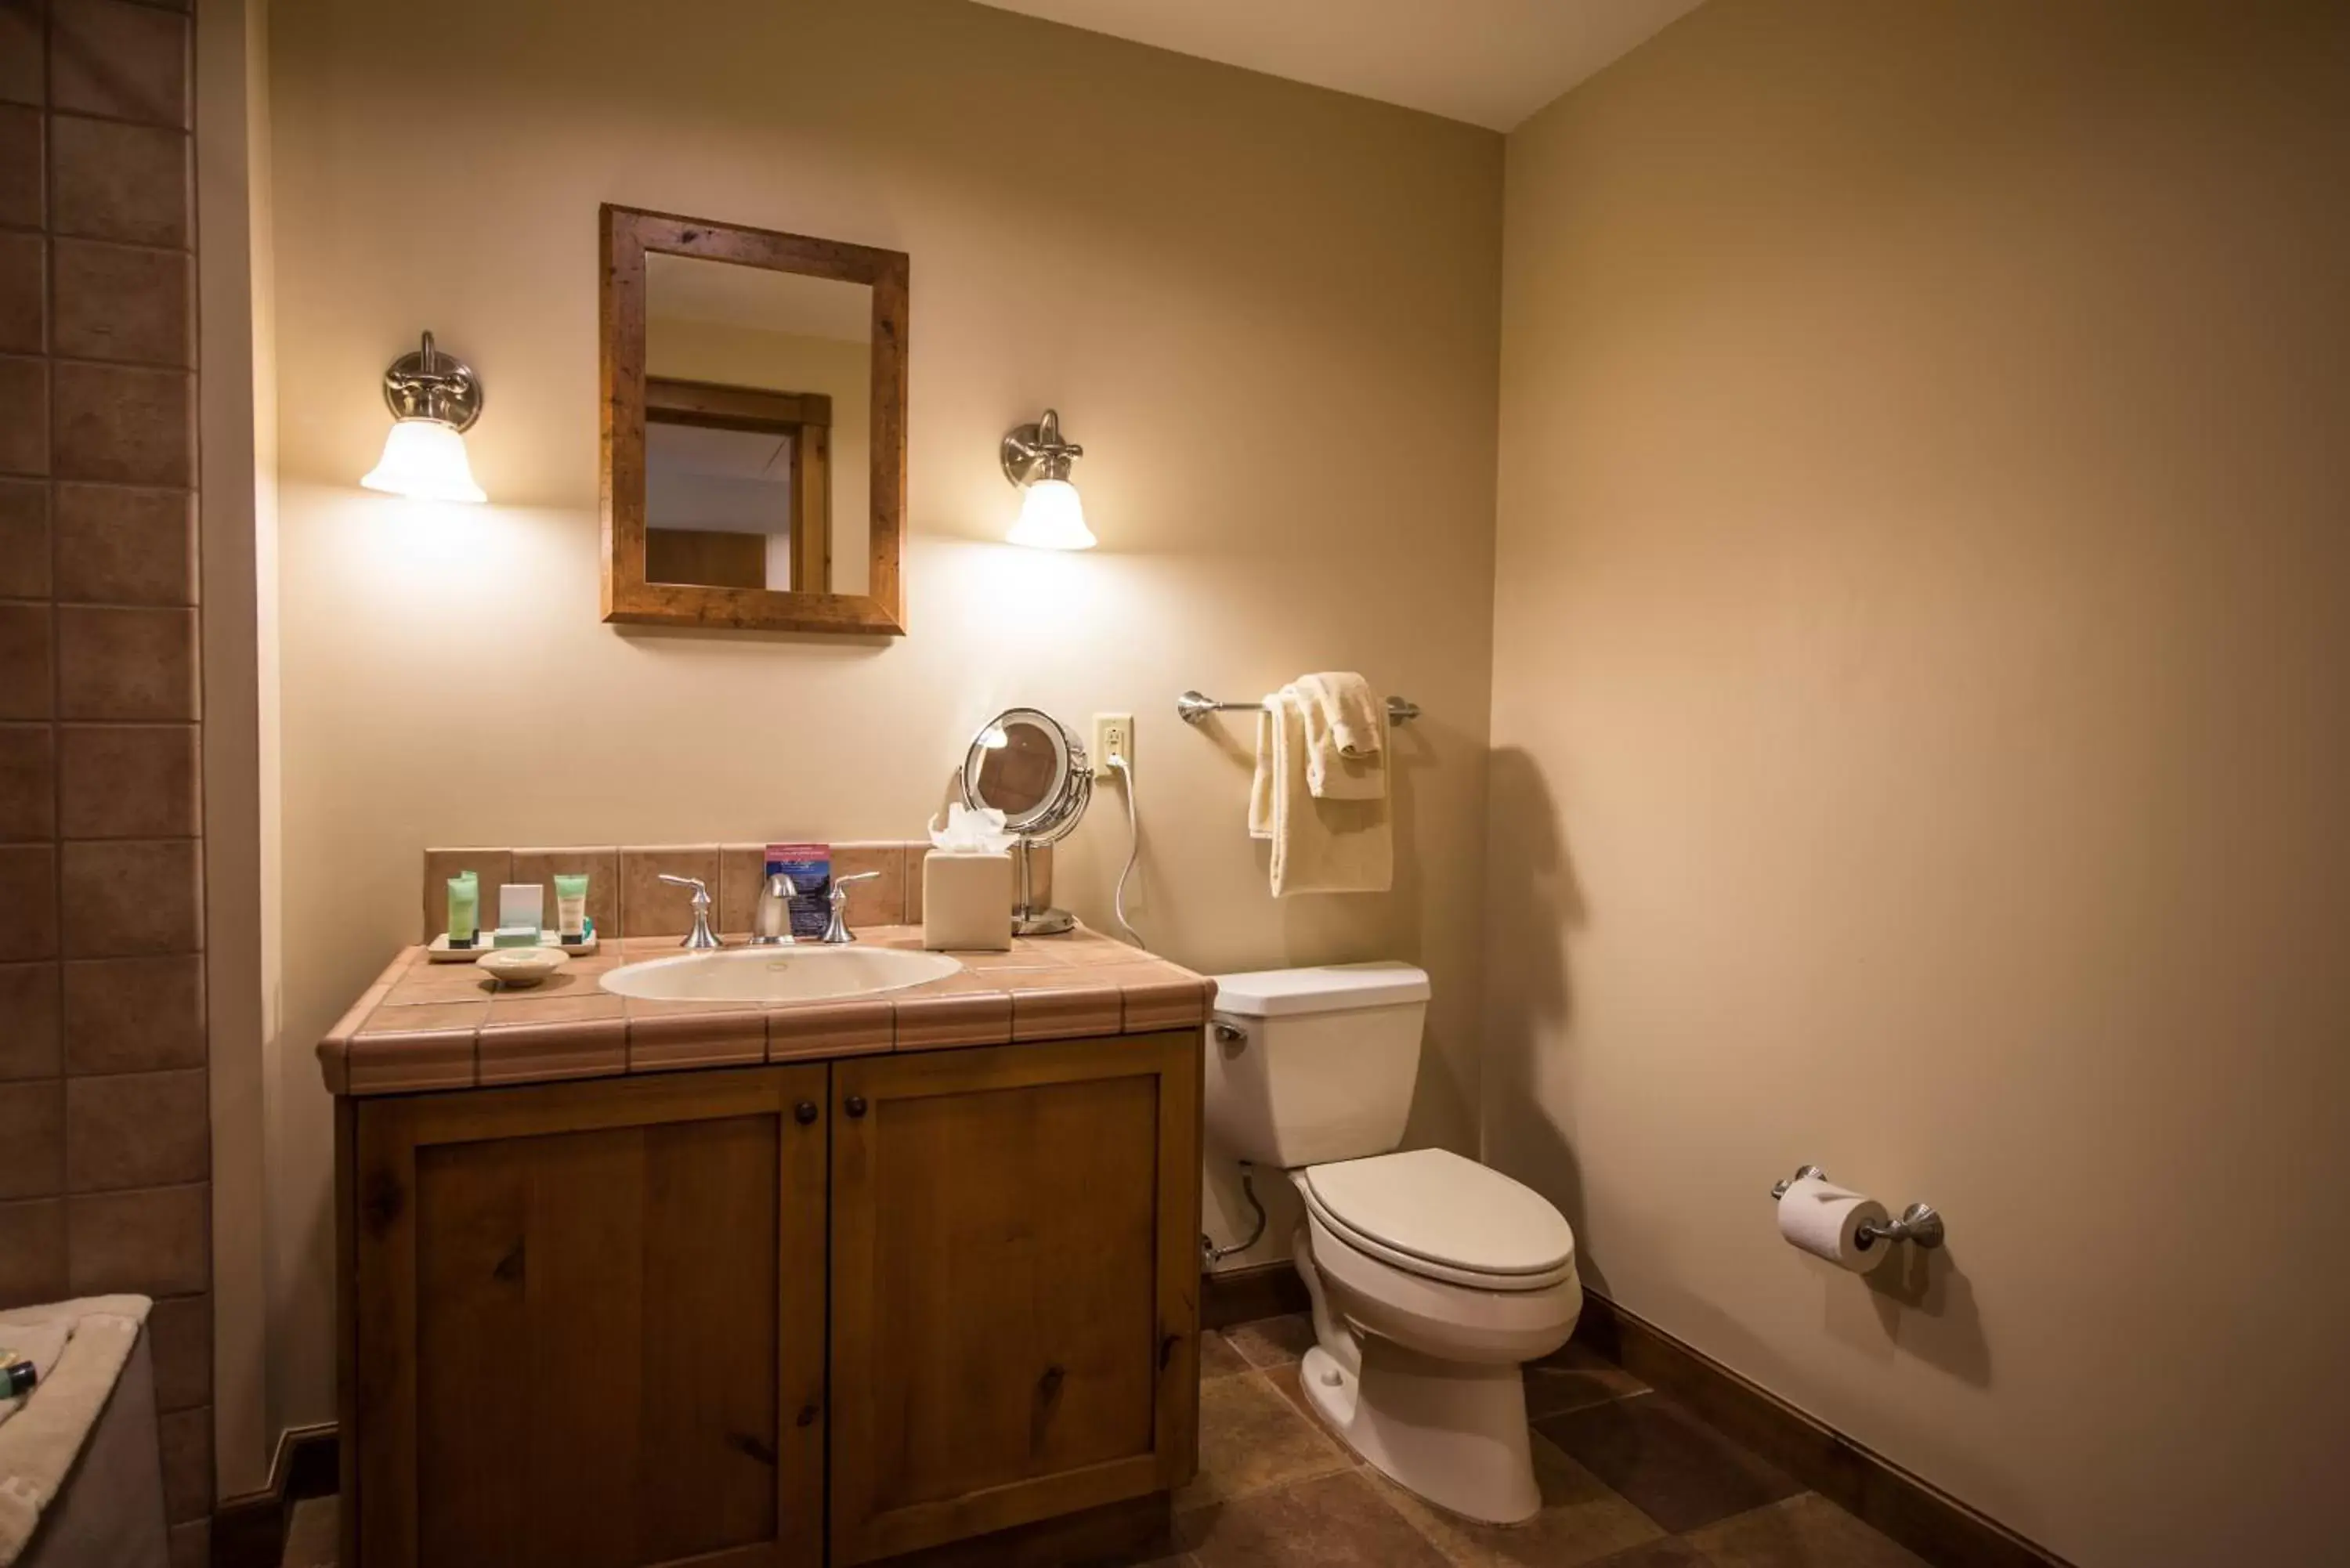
[753,428]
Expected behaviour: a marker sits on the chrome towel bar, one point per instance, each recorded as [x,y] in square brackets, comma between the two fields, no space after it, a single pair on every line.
[1192,707]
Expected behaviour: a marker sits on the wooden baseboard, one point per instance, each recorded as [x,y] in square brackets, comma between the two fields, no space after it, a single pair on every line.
[1244,1295]
[1937,1527]
[249,1531]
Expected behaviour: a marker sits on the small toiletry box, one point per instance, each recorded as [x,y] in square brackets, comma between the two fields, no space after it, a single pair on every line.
[809,867]
[967,903]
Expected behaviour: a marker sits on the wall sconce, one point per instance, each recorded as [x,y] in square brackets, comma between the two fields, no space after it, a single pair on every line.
[1036,461]
[435,398]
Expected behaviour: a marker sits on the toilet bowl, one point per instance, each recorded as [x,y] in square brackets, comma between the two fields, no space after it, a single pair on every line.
[1433,1278]
[1418,1350]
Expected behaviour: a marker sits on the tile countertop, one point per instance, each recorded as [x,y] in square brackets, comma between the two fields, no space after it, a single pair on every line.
[426,1026]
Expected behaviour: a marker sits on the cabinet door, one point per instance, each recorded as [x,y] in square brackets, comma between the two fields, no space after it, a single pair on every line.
[587,1327]
[1015,1285]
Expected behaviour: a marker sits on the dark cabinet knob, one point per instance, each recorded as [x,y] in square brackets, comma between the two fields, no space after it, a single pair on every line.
[805,1112]
[855,1105]
[808,1416]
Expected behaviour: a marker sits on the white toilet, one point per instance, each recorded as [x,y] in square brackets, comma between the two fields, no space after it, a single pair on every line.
[1434,1278]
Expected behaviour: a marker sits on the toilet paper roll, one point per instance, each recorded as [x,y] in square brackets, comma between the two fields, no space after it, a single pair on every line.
[1825,1219]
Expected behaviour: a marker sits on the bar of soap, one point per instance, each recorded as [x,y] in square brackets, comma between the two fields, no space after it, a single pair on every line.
[515,937]
[522,904]
[967,903]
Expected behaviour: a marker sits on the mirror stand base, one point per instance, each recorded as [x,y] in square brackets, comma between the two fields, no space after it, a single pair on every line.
[1043,923]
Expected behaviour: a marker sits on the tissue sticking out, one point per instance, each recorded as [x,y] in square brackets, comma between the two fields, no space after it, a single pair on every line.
[969,832]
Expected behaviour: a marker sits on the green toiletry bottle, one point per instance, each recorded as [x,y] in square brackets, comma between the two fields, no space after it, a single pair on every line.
[571,906]
[465,909]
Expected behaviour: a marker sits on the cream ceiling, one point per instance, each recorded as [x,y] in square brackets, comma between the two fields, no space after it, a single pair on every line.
[1488,62]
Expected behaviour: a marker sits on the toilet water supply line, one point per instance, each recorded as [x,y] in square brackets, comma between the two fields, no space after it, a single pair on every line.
[1207,1247]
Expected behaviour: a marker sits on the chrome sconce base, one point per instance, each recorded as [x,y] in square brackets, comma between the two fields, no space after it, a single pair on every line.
[431,385]
[1035,452]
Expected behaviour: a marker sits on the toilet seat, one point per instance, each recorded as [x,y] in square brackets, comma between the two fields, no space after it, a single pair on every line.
[1431,1213]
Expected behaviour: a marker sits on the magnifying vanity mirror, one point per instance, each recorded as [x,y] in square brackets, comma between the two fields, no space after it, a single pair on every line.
[754,427]
[1023,764]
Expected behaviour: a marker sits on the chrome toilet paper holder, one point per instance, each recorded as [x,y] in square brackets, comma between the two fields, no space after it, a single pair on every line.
[1920,1222]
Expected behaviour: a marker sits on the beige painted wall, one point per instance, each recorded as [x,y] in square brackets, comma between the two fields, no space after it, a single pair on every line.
[1270,312]
[1922,600]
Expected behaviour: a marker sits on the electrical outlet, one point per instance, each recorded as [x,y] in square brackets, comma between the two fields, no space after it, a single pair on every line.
[1113,738]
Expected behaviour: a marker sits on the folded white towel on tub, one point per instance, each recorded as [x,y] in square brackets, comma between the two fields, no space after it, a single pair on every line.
[43,1434]
[39,1343]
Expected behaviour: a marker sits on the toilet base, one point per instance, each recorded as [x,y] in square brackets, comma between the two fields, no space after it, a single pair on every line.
[1452,1432]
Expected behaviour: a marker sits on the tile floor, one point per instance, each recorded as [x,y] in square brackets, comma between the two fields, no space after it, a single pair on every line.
[310,1534]
[1630,1480]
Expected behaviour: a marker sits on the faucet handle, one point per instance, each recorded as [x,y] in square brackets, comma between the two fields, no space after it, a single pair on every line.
[837,932]
[841,885]
[700,937]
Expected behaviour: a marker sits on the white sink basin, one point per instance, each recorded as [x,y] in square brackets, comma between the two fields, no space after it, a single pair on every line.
[777,974]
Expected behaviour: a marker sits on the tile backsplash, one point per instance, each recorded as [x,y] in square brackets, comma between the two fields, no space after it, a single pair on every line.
[626,897]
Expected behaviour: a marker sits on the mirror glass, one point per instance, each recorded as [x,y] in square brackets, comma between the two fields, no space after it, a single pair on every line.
[758,400]
[1022,773]
[1025,764]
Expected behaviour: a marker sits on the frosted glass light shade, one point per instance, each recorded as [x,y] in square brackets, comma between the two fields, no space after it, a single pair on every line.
[1052,517]
[424,459]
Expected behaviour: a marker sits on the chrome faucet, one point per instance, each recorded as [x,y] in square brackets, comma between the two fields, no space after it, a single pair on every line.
[699,939]
[837,932]
[771,918]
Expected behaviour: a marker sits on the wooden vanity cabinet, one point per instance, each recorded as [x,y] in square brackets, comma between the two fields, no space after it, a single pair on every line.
[632,1322]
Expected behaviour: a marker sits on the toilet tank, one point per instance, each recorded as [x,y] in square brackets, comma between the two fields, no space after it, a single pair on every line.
[1308,1066]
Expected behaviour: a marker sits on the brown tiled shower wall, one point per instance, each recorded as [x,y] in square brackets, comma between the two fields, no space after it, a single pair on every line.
[105,1155]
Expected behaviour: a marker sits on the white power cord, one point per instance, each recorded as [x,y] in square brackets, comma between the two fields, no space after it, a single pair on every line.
[1133,849]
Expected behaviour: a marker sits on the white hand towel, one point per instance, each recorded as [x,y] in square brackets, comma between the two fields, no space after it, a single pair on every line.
[1260,787]
[1318,845]
[1345,737]
[1359,718]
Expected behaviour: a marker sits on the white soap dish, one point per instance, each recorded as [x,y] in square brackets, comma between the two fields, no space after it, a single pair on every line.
[438,950]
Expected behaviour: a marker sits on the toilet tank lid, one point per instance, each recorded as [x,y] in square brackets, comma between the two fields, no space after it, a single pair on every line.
[1279,992]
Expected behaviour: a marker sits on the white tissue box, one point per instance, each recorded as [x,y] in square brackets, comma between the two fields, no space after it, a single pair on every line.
[967,903]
